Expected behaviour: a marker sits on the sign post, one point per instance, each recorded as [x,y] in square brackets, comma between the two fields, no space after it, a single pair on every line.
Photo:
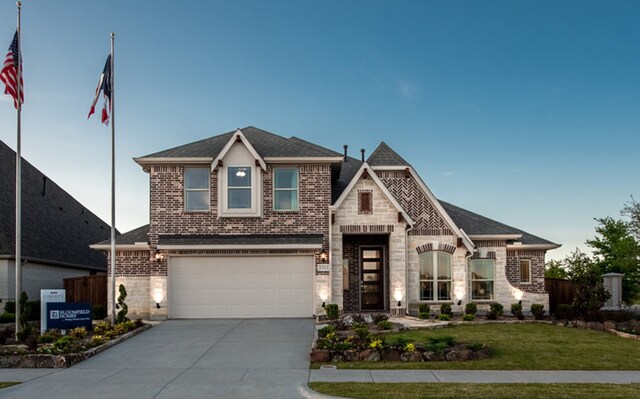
[47,296]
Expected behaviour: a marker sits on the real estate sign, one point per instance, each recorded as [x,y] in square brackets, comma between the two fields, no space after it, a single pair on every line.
[47,296]
[66,316]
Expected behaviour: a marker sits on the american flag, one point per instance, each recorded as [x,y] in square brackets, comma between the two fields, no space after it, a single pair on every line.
[9,73]
[104,86]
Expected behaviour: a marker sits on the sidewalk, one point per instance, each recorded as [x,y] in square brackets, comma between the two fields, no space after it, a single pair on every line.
[476,376]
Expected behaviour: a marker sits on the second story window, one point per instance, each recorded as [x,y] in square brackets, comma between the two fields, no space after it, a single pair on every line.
[285,189]
[239,187]
[196,189]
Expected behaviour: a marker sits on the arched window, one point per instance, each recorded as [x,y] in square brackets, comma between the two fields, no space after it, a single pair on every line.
[435,276]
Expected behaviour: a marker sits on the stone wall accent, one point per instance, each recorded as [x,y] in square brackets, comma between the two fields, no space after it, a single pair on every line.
[413,200]
[383,219]
[536,257]
[138,297]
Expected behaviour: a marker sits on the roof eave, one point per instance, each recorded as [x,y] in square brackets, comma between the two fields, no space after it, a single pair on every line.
[514,247]
[301,160]
[495,237]
[145,162]
[176,247]
[120,247]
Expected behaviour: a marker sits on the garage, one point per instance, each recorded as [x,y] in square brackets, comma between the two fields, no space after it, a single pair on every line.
[240,286]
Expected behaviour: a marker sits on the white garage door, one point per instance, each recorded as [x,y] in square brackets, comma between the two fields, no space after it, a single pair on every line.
[215,287]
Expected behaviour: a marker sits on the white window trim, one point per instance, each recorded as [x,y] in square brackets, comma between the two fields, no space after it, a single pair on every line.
[435,279]
[297,189]
[186,190]
[256,193]
[493,286]
[520,271]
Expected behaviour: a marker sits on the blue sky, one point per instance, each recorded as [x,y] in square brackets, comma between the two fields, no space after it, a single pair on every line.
[526,112]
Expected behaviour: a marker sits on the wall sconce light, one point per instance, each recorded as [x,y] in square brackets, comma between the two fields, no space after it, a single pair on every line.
[157,305]
[159,256]
[323,255]
[158,295]
[323,297]
[518,294]
[459,292]
[459,302]
[397,295]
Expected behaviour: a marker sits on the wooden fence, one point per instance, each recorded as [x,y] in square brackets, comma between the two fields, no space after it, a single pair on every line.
[560,291]
[87,289]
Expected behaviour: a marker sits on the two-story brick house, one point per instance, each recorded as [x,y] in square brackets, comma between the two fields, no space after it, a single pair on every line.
[252,224]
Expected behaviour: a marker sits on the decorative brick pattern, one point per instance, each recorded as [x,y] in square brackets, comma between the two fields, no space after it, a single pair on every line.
[537,270]
[407,192]
[351,229]
[440,247]
[430,232]
[489,255]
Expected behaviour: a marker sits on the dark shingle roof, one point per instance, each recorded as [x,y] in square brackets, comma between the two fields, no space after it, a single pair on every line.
[141,234]
[385,156]
[348,170]
[55,227]
[265,143]
[472,223]
[247,239]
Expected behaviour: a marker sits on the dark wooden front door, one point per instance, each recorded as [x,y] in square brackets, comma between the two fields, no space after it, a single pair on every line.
[372,278]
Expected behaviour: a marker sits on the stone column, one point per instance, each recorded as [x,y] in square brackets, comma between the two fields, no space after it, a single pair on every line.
[613,285]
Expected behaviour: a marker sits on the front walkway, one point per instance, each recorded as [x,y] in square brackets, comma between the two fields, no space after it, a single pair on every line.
[476,376]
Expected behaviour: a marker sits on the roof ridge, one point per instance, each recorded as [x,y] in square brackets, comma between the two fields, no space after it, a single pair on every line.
[384,155]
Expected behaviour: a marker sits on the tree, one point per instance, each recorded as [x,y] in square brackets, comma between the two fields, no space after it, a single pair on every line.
[555,269]
[589,293]
[617,251]
[632,211]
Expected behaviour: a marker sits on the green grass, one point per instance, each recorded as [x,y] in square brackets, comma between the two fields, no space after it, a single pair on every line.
[7,384]
[477,391]
[525,347]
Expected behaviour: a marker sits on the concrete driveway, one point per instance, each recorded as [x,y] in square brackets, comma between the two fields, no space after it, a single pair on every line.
[259,358]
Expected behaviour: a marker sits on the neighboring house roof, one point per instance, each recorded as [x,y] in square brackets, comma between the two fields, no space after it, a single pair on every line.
[56,229]
[385,156]
[244,241]
[265,143]
[348,169]
[478,225]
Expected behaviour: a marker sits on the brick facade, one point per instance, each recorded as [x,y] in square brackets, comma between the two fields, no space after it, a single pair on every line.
[536,257]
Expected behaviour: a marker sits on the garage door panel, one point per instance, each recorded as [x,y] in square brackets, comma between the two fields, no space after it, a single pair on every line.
[210,287]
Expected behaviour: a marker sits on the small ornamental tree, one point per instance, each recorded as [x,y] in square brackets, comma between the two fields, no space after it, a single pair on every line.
[121,317]
[590,293]
[25,314]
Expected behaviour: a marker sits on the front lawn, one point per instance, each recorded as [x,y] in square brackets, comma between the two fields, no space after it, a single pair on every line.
[477,391]
[524,347]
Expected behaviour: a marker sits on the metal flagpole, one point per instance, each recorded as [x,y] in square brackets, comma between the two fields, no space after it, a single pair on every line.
[18,260]
[113,188]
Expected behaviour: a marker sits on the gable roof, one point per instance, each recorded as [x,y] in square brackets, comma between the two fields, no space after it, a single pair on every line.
[56,228]
[385,156]
[380,185]
[266,144]
[478,225]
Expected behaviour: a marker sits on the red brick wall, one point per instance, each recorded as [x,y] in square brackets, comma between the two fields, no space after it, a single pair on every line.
[131,263]
[537,270]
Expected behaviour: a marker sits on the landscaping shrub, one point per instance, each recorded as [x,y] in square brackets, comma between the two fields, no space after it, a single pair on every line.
[332,311]
[385,325]
[339,324]
[65,344]
[438,344]
[475,347]
[34,310]
[423,316]
[537,309]
[102,328]
[378,317]
[495,311]
[516,310]
[10,307]
[139,323]
[424,308]
[565,312]
[445,308]
[7,318]
[324,331]
[471,308]
[469,317]
[124,309]
[362,332]
[444,317]
[78,333]
[399,343]
[99,312]
[25,312]
[49,337]
[97,340]
[358,318]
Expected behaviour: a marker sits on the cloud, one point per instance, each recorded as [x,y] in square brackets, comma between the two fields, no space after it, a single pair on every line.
[449,173]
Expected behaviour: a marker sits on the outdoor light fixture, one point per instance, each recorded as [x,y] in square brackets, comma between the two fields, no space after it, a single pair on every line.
[459,302]
[518,294]
[323,255]
[158,295]
[157,305]
[159,256]
[323,297]
[397,294]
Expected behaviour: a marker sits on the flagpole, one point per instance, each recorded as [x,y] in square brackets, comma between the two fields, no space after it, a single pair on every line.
[113,187]
[18,259]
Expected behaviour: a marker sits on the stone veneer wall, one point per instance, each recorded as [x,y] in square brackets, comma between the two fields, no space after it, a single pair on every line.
[383,219]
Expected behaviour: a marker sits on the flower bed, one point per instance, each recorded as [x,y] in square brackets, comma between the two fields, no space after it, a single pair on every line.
[52,350]
[363,338]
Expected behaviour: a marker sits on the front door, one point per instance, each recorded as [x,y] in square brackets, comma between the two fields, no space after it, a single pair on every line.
[372,278]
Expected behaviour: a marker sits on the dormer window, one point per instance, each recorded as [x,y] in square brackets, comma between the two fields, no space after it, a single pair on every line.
[239,187]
